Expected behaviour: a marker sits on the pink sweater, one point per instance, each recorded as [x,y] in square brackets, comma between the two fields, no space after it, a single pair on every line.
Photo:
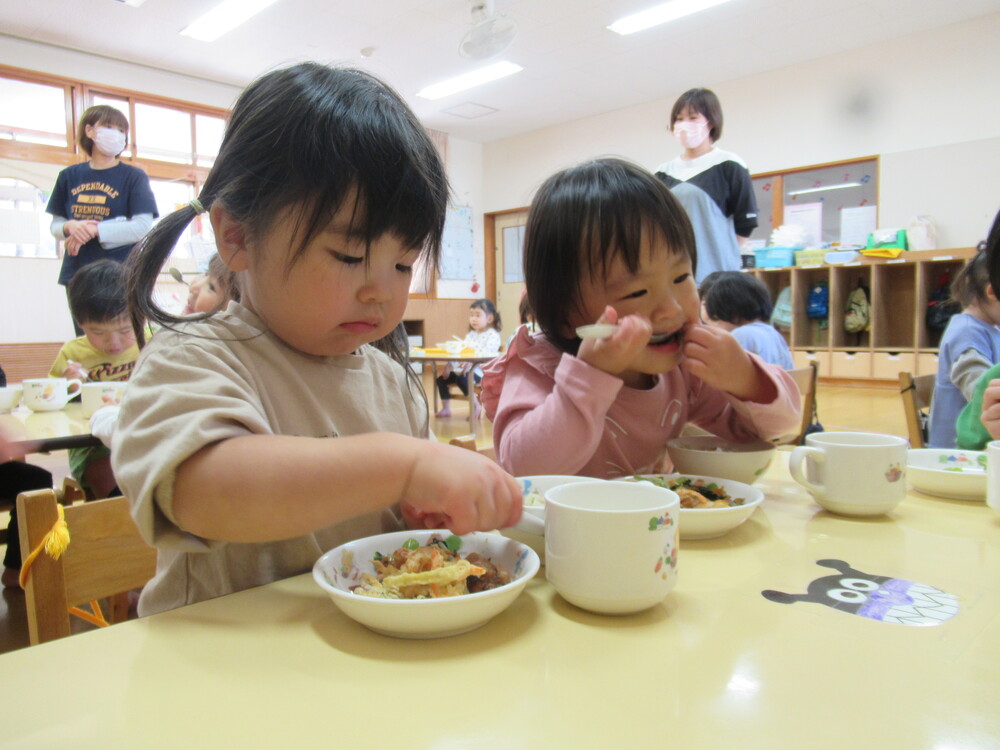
[554,414]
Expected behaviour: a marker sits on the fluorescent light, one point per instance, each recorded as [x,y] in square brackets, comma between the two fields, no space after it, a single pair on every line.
[224,17]
[469,80]
[658,14]
[824,187]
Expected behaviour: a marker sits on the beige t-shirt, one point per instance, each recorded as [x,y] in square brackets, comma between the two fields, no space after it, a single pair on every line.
[228,377]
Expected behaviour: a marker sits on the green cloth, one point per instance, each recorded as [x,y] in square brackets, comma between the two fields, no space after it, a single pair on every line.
[970,433]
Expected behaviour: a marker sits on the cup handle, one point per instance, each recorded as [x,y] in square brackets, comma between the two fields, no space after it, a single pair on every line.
[70,393]
[800,455]
[531,524]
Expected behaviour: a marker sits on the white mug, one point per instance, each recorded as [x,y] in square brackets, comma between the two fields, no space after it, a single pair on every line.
[101,393]
[10,396]
[852,473]
[611,547]
[47,394]
[993,475]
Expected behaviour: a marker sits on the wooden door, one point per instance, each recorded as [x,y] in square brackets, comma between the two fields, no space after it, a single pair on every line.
[508,230]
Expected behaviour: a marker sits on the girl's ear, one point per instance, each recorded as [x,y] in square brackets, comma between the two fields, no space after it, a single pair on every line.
[230,238]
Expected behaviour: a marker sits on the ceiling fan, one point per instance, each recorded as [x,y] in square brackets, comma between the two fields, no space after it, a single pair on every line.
[490,34]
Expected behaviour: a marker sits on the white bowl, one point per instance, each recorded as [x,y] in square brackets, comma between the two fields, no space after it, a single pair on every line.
[708,523]
[10,397]
[950,473]
[711,456]
[533,491]
[341,568]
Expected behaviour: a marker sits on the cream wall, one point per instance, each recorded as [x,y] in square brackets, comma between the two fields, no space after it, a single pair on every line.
[926,103]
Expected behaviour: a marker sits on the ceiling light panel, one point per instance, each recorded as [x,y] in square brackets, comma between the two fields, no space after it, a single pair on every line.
[469,80]
[224,17]
[661,14]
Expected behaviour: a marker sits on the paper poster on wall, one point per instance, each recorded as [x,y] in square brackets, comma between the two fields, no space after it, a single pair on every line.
[856,224]
[457,259]
[809,216]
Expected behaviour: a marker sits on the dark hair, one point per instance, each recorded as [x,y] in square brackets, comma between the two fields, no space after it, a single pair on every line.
[704,101]
[969,285]
[738,298]
[993,254]
[97,292]
[707,283]
[225,277]
[309,138]
[487,306]
[524,311]
[580,221]
[99,114]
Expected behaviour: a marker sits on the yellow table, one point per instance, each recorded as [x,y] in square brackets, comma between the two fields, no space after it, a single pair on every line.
[44,431]
[716,666]
[433,358]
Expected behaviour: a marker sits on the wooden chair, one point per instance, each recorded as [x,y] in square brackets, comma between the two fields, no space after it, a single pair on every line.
[105,558]
[469,442]
[805,378]
[917,393]
[69,493]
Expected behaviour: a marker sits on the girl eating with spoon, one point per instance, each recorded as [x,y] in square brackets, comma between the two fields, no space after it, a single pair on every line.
[607,244]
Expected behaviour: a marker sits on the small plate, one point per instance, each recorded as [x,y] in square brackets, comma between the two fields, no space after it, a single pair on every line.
[708,523]
[953,473]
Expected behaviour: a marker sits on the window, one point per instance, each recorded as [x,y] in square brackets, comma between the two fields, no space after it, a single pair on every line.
[24,225]
[33,113]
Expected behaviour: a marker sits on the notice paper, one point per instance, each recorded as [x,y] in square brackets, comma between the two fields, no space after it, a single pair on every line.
[856,224]
[809,216]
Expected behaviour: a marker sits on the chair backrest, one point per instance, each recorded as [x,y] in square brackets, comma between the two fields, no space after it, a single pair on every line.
[469,442]
[105,557]
[805,378]
[916,393]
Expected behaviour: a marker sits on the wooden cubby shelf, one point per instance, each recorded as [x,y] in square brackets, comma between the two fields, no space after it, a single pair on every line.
[897,338]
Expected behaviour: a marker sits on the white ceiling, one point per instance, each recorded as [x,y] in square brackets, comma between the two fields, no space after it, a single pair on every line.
[573,66]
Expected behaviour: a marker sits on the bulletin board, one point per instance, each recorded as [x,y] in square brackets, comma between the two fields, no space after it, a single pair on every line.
[457,250]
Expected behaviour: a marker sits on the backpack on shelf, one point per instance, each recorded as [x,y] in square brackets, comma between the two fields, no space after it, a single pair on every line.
[858,313]
[940,306]
[818,303]
[781,314]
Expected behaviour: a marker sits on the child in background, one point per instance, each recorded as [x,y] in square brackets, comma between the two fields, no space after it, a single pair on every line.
[526,317]
[607,242]
[969,346]
[212,290]
[740,303]
[252,440]
[484,337]
[979,422]
[106,351]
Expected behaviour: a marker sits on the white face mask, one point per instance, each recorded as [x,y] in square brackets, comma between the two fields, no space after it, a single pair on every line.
[109,141]
[691,134]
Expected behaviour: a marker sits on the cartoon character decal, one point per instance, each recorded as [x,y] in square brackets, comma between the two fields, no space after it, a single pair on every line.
[879,598]
[894,473]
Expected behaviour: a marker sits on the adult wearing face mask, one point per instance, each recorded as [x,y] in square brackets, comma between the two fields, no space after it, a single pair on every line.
[101,207]
[713,185]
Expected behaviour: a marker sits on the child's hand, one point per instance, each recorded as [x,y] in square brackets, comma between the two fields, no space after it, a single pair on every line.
[991,409]
[718,359]
[460,490]
[76,370]
[615,354]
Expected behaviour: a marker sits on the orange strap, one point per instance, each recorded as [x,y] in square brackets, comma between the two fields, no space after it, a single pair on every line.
[55,542]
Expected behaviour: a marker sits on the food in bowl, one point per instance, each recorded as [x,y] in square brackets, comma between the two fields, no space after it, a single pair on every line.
[713,520]
[712,456]
[696,493]
[429,571]
[341,569]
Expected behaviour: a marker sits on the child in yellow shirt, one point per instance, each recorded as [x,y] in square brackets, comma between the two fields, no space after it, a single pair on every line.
[106,351]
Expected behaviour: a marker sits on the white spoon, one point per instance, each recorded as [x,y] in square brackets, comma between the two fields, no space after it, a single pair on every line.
[597,331]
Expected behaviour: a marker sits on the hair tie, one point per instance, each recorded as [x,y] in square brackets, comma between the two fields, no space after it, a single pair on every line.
[196,205]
